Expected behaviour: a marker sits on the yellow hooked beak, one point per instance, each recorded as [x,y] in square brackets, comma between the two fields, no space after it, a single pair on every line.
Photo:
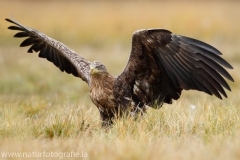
[93,70]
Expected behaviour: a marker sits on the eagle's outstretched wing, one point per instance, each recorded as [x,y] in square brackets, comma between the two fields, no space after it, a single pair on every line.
[56,52]
[162,64]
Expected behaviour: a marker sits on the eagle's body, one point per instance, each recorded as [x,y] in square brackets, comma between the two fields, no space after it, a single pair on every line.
[101,94]
[160,66]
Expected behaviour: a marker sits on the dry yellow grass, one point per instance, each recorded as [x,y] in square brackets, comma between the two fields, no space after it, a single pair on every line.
[42,109]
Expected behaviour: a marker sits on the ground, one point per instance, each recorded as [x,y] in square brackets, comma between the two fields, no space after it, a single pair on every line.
[44,111]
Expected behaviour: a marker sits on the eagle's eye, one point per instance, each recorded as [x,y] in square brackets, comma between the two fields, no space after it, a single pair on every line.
[101,67]
[98,65]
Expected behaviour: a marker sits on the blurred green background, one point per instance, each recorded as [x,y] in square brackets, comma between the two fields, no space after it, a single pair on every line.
[102,30]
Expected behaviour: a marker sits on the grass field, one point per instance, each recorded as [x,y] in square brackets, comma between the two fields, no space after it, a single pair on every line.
[43,110]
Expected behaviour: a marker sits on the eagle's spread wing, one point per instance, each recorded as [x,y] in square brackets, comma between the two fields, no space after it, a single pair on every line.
[162,64]
[56,52]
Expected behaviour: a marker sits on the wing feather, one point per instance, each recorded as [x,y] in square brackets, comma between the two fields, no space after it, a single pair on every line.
[21,35]
[196,49]
[168,69]
[60,55]
[43,53]
[182,63]
[187,78]
[27,42]
[200,44]
[14,27]
[190,68]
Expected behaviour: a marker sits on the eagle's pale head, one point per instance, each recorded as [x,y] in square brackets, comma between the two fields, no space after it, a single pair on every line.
[97,67]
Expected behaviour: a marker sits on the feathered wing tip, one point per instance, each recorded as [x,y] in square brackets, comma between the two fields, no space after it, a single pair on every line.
[59,54]
[200,44]
[196,65]
[18,27]
[207,54]
[12,21]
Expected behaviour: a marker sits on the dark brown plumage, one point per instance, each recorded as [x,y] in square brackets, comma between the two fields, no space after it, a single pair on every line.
[160,66]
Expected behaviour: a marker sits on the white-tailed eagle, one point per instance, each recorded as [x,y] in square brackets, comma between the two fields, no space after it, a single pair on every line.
[160,66]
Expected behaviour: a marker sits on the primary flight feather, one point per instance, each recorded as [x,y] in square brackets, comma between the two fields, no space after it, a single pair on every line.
[160,66]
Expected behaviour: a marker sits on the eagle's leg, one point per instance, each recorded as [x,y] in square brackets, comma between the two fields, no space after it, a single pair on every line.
[138,110]
[106,118]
